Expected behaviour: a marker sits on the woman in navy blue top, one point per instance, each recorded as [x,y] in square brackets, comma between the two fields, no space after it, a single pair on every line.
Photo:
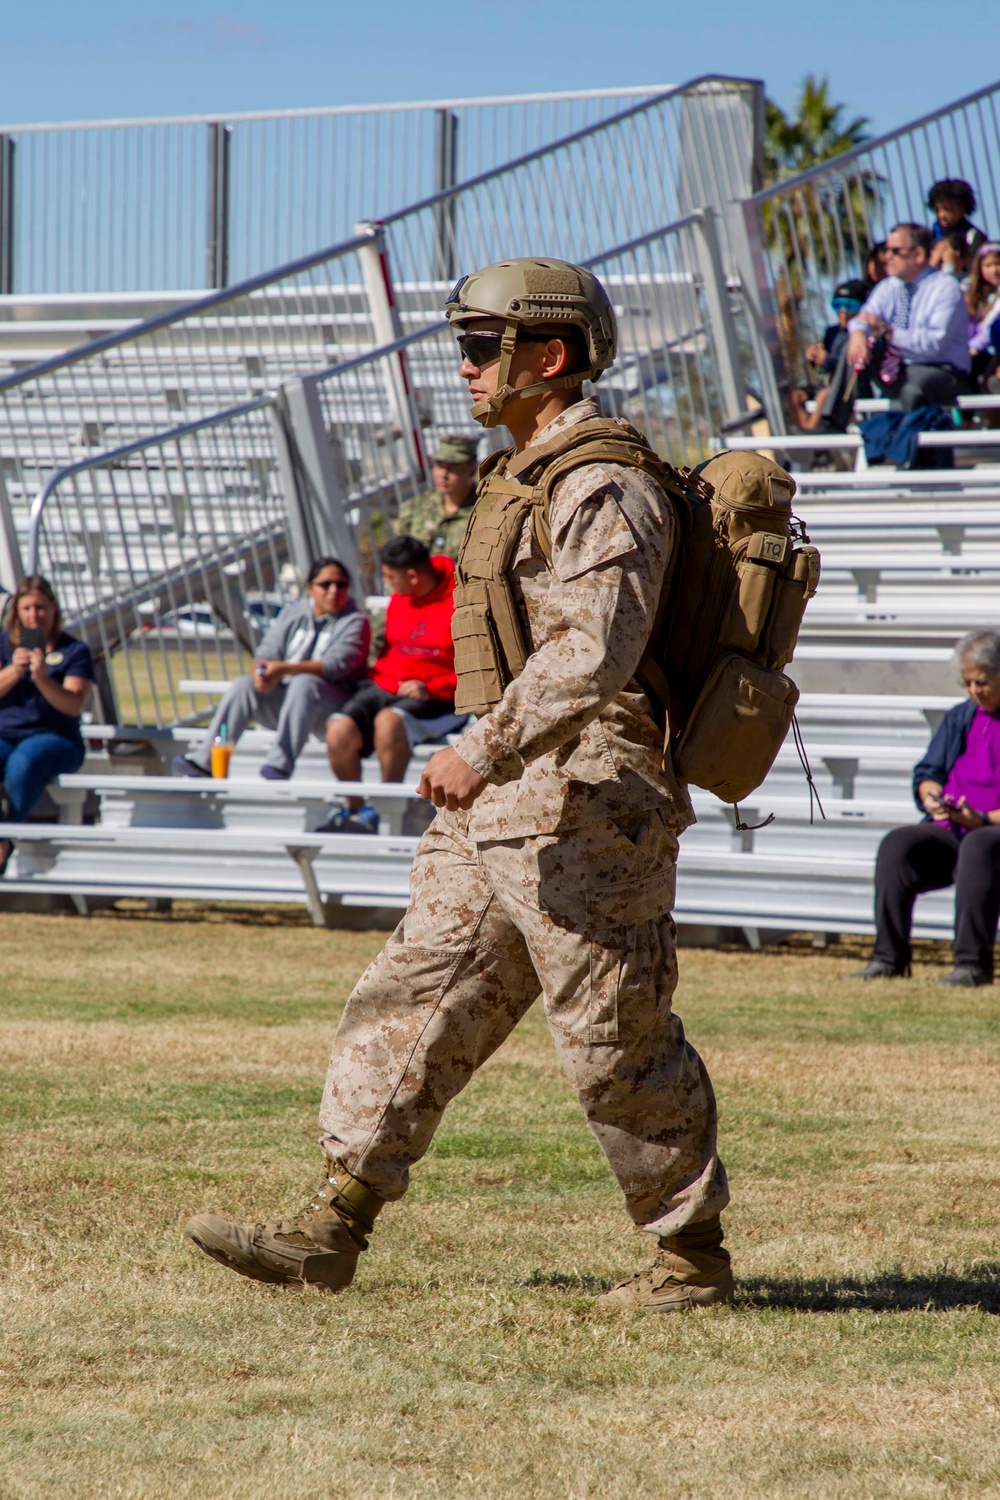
[46,677]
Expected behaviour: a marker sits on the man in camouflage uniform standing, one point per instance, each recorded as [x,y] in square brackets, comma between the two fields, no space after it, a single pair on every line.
[440,517]
[550,864]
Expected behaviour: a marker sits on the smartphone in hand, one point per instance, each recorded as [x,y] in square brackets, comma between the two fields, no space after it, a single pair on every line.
[32,639]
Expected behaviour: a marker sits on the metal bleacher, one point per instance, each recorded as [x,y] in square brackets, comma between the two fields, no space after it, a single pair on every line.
[161,449]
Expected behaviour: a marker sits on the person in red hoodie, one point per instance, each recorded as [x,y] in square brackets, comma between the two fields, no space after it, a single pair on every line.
[409,694]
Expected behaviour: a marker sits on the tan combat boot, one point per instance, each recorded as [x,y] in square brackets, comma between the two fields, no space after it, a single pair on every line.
[319,1247]
[691,1270]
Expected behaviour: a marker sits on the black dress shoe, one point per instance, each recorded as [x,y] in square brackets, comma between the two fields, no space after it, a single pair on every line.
[877,969]
[967,977]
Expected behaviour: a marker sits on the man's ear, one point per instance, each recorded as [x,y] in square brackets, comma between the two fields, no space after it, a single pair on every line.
[555,359]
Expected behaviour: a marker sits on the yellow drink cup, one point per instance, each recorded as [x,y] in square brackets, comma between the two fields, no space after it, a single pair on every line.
[221,756]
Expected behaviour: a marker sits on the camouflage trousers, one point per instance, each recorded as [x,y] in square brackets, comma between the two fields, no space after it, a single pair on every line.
[582,917]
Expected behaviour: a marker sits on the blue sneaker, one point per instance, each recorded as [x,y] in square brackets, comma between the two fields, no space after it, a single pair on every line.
[185,767]
[362,819]
[271,773]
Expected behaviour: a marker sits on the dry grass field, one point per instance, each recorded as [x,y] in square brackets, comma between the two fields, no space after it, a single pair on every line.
[152,1066]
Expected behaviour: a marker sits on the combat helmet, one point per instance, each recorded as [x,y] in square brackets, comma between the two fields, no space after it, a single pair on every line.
[531,293]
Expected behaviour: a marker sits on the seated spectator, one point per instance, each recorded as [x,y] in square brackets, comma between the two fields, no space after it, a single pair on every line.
[911,336]
[410,694]
[439,517]
[875,270]
[952,255]
[957,787]
[952,201]
[848,299]
[309,661]
[46,678]
[983,301]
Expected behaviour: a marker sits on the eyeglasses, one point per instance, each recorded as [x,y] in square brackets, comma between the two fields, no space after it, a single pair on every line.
[330,583]
[896,250]
[481,349]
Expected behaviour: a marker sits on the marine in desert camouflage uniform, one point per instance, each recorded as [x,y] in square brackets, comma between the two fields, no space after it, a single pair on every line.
[439,517]
[550,864]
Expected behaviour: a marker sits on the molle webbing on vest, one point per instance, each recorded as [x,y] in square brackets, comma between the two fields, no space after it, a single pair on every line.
[490,648]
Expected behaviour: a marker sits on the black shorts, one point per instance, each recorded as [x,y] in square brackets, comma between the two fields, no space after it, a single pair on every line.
[369,699]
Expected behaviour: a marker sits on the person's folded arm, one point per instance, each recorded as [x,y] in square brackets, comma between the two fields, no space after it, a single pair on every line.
[879,305]
[347,653]
[608,559]
[440,684]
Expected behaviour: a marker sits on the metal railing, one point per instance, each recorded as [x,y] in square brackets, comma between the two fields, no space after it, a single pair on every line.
[222,350]
[119,205]
[603,185]
[165,550]
[170,554]
[817,228]
[608,182]
[679,376]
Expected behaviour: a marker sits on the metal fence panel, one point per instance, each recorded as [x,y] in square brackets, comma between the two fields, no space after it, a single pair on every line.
[129,205]
[227,349]
[603,185]
[169,558]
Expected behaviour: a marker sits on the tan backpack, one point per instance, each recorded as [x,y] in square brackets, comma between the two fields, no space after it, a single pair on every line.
[728,620]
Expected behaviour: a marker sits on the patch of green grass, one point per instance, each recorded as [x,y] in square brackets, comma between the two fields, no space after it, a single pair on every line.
[152,1067]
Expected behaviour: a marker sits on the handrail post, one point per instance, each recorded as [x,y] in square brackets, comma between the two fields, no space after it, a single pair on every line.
[314,456]
[720,317]
[11,569]
[6,215]
[445,177]
[761,322]
[374,258]
[217,254]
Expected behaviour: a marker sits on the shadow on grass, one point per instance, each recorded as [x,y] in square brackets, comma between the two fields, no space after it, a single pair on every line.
[936,1291]
[571,1281]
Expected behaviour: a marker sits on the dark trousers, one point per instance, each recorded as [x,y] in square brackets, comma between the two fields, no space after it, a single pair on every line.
[928,858]
[916,385]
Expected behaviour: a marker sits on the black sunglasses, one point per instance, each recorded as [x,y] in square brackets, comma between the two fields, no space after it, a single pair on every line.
[330,583]
[482,349]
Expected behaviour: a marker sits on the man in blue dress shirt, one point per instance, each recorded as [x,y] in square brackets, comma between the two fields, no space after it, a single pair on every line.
[911,336]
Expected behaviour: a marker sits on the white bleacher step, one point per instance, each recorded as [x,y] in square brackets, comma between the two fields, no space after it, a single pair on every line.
[817,889]
[235,803]
[186,863]
[866,405]
[953,481]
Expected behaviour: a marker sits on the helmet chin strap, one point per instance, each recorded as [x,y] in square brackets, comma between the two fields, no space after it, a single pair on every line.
[487,412]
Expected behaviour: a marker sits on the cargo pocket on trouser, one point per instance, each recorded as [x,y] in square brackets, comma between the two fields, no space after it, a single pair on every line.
[623,926]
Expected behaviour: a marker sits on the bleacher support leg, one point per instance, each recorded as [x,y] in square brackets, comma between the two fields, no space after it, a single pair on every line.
[314,899]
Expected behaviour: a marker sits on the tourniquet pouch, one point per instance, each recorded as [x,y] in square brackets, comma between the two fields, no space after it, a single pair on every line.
[792,590]
[736,728]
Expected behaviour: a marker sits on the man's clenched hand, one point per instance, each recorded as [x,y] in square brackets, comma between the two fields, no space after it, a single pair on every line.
[449,781]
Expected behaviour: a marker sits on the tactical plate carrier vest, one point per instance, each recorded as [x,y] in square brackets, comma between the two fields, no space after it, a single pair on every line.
[734,594]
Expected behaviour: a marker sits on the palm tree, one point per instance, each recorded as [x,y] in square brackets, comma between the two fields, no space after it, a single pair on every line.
[814,230]
[816,131]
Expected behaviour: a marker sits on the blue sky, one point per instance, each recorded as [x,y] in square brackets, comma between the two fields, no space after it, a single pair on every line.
[66,59]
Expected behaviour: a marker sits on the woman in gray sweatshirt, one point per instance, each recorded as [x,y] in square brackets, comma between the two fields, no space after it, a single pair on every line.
[309,661]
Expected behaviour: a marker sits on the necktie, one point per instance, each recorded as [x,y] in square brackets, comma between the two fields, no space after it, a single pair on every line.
[891,361]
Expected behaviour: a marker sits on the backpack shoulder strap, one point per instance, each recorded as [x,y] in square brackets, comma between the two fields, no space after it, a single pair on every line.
[615,447]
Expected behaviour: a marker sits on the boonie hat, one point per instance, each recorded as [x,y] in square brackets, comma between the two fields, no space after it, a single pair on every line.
[456,448]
